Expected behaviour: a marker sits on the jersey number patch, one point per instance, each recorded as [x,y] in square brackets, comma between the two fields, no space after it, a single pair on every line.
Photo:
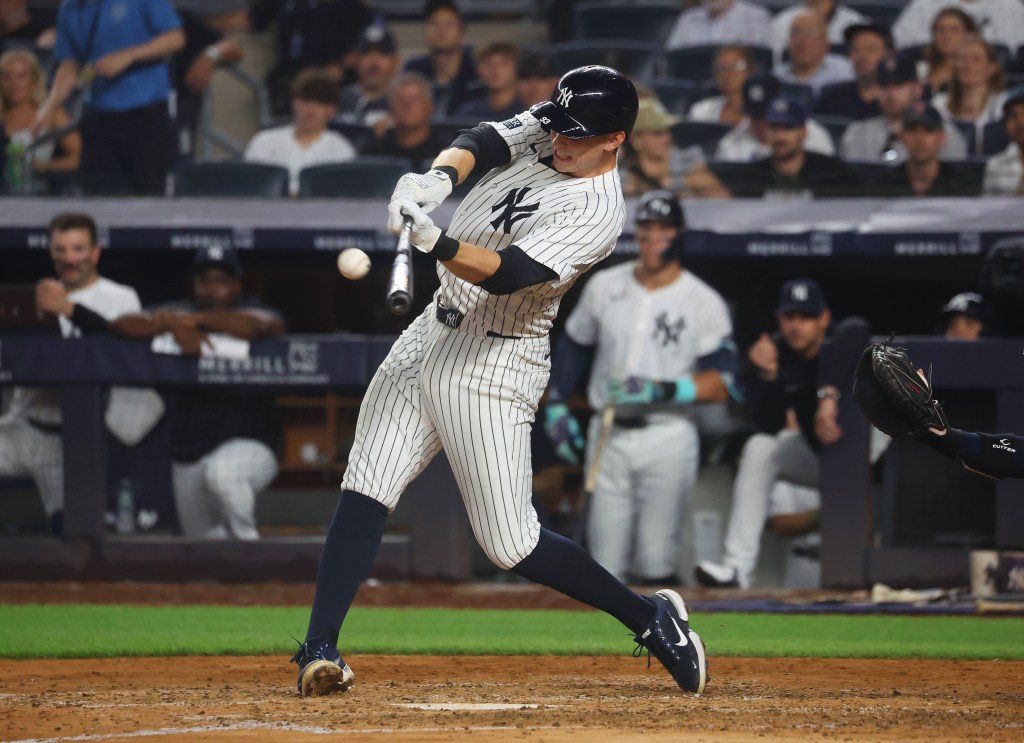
[513,209]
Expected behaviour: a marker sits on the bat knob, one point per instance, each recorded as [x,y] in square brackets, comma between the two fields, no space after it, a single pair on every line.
[399,302]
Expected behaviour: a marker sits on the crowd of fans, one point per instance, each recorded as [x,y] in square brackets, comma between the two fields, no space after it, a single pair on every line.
[849,84]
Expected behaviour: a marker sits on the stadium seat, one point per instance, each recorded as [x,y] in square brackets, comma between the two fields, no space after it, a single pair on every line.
[633,58]
[677,95]
[362,178]
[694,62]
[970,134]
[972,172]
[648,21]
[735,176]
[882,12]
[358,134]
[230,178]
[703,134]
[994,138]
[869,172]
[835,125]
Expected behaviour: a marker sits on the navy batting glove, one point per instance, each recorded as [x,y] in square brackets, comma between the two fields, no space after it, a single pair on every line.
[564,431]
[634,391]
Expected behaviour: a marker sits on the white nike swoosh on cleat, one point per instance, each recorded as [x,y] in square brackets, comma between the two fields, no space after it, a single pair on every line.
[682,635]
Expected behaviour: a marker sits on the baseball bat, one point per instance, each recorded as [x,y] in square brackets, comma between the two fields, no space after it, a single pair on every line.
[590,481]
[399,297]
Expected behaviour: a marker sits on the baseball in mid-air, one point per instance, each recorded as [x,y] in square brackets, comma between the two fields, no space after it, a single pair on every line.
[353,263]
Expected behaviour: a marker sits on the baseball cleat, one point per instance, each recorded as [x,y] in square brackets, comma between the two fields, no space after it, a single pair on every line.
[715,575]
[321,669]
[669,637]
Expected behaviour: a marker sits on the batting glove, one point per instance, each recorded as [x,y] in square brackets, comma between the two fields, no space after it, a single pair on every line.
[634,391]
[564,431]
[426,190]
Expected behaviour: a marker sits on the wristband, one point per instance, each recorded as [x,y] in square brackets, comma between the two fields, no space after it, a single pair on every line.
[445,248]
[448,170]
[686,390]
[829,393]
[213,52]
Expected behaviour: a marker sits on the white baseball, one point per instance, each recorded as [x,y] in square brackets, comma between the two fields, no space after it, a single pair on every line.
[353,263]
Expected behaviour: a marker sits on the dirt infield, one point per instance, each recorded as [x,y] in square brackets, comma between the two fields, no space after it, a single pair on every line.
[424,698]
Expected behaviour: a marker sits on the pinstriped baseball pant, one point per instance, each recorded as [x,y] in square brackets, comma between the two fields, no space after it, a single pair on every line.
[475,396]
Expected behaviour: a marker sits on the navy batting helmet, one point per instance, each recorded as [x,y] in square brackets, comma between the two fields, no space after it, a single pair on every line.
[660,206]
[589,101]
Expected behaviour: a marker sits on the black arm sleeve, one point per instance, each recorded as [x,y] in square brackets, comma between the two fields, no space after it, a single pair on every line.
[487,146]
[840,355]
[996,455]
[516,271]
[570,362]
[88,321]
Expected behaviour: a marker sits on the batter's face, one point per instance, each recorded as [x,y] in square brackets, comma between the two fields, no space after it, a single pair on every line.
[585,158]
[652,239]
[804,333]
[75,258]
[215,289]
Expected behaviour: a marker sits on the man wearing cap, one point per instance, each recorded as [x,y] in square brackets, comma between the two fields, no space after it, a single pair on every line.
[448,63]
[837,17]
[793,382]
[496,64]
[223,441]
[810,62]
[1004,173]
[366,100]
[306,141]
[537,78]
[923,173]
[748,140]
[722,22]
[790,168]
[877,138]
[963,317]
[868,44]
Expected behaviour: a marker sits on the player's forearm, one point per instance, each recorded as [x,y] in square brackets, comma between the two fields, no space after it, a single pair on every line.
[462,160]
[472,263]
[63,83]
[790,525]
[992,454]
[158,47]
[245,324]
[710,386]
[136,325]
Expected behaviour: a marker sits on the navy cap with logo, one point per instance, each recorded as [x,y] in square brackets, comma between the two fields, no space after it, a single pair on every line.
[219,256]
[802,295]
[785,110]
[920,113]
[1014,97]
[757,91]
[589,101]
[965,303]
[896,70]
[376,36]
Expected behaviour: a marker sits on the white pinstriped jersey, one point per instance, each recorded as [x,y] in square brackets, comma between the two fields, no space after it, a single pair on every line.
[638,332]
[564,222]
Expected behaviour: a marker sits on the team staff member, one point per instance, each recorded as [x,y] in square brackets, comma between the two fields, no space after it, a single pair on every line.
[121,51]
[468,373]
[659,340]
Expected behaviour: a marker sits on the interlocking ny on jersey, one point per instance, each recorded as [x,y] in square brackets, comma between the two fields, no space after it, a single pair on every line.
[566,223]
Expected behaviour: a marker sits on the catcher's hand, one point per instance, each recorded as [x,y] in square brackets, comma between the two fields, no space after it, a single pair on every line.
[896,396]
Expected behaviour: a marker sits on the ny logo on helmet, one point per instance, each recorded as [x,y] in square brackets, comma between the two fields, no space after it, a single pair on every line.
[564,96]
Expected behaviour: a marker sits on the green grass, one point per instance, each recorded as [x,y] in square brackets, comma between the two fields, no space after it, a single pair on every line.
[66,631]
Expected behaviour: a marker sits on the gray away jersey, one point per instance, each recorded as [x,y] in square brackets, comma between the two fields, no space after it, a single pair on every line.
[563,222]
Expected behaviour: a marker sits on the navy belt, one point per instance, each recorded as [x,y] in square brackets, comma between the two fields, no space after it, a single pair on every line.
[811,553]
[54,429]
[631,422]
[452,318]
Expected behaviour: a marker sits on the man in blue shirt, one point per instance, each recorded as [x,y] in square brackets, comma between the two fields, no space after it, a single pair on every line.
[118,50]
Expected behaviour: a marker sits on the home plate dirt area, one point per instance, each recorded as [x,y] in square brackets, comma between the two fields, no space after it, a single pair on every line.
[425,698]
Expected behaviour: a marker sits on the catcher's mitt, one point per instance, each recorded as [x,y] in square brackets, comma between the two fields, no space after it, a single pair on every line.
[893,395]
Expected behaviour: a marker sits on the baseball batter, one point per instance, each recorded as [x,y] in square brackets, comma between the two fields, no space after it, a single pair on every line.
[660,340]
[468,373]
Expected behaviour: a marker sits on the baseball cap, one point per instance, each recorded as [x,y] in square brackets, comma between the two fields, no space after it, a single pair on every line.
[218,255]
[896,70]
[802,295]
[535,64]
[855,29]
[1013,97]
[651,116]
[922,113]
[785,110]
[377,37]
[757,91]
[965,303]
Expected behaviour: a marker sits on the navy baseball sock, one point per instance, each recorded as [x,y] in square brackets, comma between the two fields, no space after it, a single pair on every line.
[349,551]
[562,564]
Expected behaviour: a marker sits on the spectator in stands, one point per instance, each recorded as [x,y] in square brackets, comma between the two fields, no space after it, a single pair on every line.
[19,23]
[868,45]
[722,22]
[732,66]
[748,140]
[975,93]
[307,140]
[448,64]
[310,33]
[923,173]
[496,65]
[223,441]
[999,21]
[128,138]
[810,62]
[537,78]
[793,383]
[837,19]
[83,302]
[205,48]
[1004,173]
[411,135]
[366,100]
[963,317]
[651,161]
[878,138]
[22,90]
[790,170]
[949,29]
